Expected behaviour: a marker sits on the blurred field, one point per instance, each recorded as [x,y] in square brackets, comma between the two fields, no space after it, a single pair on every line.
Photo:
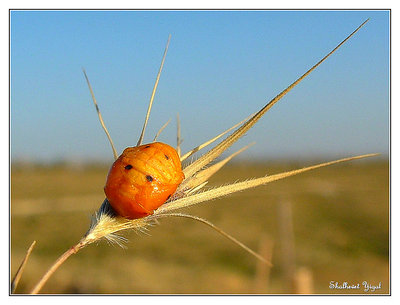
[331,224]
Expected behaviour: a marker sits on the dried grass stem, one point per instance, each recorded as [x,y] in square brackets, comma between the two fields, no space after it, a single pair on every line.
[56,265]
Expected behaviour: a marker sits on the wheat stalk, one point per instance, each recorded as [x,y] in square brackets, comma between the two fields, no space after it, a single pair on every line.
[17,277]
[106,224]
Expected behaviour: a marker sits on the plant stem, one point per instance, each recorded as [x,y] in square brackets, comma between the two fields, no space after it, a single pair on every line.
[21,268]
[57,264]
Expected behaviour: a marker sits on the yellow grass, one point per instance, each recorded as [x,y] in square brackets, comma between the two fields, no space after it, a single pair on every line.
[340,222]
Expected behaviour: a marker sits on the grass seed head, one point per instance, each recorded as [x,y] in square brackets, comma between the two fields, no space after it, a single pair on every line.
[107,224]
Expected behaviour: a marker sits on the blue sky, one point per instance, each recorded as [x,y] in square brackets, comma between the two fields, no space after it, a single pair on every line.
[221,66]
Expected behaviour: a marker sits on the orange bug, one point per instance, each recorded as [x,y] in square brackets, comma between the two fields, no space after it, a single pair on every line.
[142,179]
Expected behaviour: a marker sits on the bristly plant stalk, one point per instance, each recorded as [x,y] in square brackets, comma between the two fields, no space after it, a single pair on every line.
[105,223]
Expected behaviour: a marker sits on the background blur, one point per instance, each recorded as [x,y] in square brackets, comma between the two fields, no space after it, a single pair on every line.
[228,63]
[327,225]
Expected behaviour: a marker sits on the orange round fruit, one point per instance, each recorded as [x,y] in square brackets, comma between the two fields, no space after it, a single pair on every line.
[142,179]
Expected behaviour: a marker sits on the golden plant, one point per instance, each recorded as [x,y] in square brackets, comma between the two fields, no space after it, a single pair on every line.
[106,223]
